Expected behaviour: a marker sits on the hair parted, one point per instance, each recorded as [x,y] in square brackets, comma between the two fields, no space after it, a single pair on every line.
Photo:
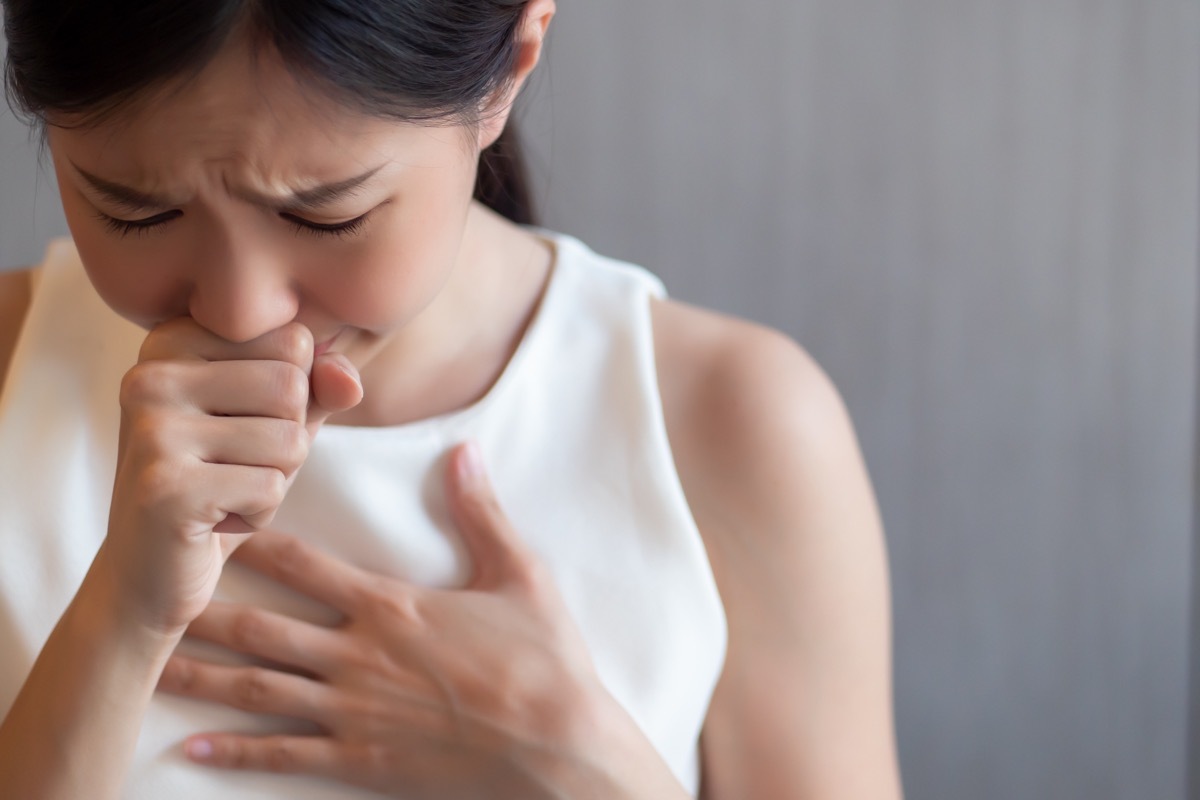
[425,61]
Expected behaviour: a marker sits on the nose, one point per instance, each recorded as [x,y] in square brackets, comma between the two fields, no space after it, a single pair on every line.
[242,299]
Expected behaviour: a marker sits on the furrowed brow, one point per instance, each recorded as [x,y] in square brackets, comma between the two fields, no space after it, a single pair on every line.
[324,194]
[316,197]
[124,196]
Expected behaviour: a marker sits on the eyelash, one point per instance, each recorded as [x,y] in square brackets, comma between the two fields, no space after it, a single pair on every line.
[347,228]
[124,227]
[141,227]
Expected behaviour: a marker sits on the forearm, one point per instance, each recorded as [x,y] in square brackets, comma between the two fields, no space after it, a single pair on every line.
[71,731]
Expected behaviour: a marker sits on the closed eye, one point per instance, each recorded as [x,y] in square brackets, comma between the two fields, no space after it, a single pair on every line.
[139,227]
[124,227]
[347,228]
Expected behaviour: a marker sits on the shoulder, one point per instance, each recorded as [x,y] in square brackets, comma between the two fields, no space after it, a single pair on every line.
[759,434]
[772,471]
[740,396]
[16,289]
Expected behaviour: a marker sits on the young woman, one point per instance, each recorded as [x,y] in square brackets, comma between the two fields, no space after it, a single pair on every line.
[250,545]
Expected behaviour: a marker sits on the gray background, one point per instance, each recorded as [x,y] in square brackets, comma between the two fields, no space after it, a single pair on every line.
[981,217]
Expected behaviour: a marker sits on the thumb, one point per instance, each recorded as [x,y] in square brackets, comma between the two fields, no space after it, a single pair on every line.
[500,556]
[336,386]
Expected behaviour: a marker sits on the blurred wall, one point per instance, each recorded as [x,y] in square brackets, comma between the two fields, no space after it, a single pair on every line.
[30,214]
[981,217]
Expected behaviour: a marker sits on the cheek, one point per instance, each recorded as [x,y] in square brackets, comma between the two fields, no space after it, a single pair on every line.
[139,295]
[128,275]
[396,271]
[387,281]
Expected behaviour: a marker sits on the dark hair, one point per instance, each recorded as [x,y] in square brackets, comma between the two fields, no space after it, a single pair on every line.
[414,60]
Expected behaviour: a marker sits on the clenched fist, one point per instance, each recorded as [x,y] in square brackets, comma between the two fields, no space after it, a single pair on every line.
[212,435]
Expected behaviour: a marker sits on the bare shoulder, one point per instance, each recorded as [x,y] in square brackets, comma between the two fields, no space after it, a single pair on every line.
[751,416]
[729,383]
[16,287]
[773,473]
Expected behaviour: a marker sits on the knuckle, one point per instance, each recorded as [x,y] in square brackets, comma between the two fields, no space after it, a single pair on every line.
[377,758]
[263,519]
[246,629]
[291,559]
[293,445]
[374,662]
[142,382]
[274,486]
[295,342]
[291,385]
[231,753]
[178,675]
[367,758]
[393,606]
[185,677]
[279,756]
[252,689]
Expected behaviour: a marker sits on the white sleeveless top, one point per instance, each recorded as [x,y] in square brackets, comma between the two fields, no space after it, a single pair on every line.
[575,442]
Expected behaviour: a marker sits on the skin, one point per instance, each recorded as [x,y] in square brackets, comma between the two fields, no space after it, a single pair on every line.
[15,288]
[233,295]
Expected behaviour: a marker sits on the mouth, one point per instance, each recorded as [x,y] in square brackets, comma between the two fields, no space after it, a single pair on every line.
[324,347]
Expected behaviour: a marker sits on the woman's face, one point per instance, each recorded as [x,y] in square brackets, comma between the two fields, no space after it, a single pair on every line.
[246,202]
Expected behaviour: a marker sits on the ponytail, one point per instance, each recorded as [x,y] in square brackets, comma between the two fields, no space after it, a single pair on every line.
[503,180]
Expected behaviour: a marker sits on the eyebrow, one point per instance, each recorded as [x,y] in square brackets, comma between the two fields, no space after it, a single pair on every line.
[316,197]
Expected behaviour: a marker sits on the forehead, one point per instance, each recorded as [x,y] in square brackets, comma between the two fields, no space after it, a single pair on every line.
[246,107]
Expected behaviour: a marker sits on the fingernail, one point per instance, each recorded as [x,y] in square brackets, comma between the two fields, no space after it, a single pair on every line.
[199,749]
[471,468]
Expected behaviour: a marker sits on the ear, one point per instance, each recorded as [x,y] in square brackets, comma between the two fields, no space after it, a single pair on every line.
[530,36]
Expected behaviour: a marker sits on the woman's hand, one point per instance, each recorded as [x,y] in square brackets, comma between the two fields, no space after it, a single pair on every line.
[484,691]
[212,434]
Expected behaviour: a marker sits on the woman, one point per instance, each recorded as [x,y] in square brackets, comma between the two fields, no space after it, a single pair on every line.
[280,258]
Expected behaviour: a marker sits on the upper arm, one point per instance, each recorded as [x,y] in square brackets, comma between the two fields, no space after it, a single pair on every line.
[774,475]
[15,290]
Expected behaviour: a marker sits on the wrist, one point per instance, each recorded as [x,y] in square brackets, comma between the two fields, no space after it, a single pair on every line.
[606,755]
[101,608]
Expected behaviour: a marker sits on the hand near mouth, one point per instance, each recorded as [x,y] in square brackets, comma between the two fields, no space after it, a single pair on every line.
[212,435]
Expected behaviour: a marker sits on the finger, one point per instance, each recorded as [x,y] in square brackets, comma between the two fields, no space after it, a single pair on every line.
[336,386]
[229,388]
[271,636]
[308,755]
[306,569]
[251,493]
[185,338]
[247,389]
[255,689]
[500,555]
[252,441]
